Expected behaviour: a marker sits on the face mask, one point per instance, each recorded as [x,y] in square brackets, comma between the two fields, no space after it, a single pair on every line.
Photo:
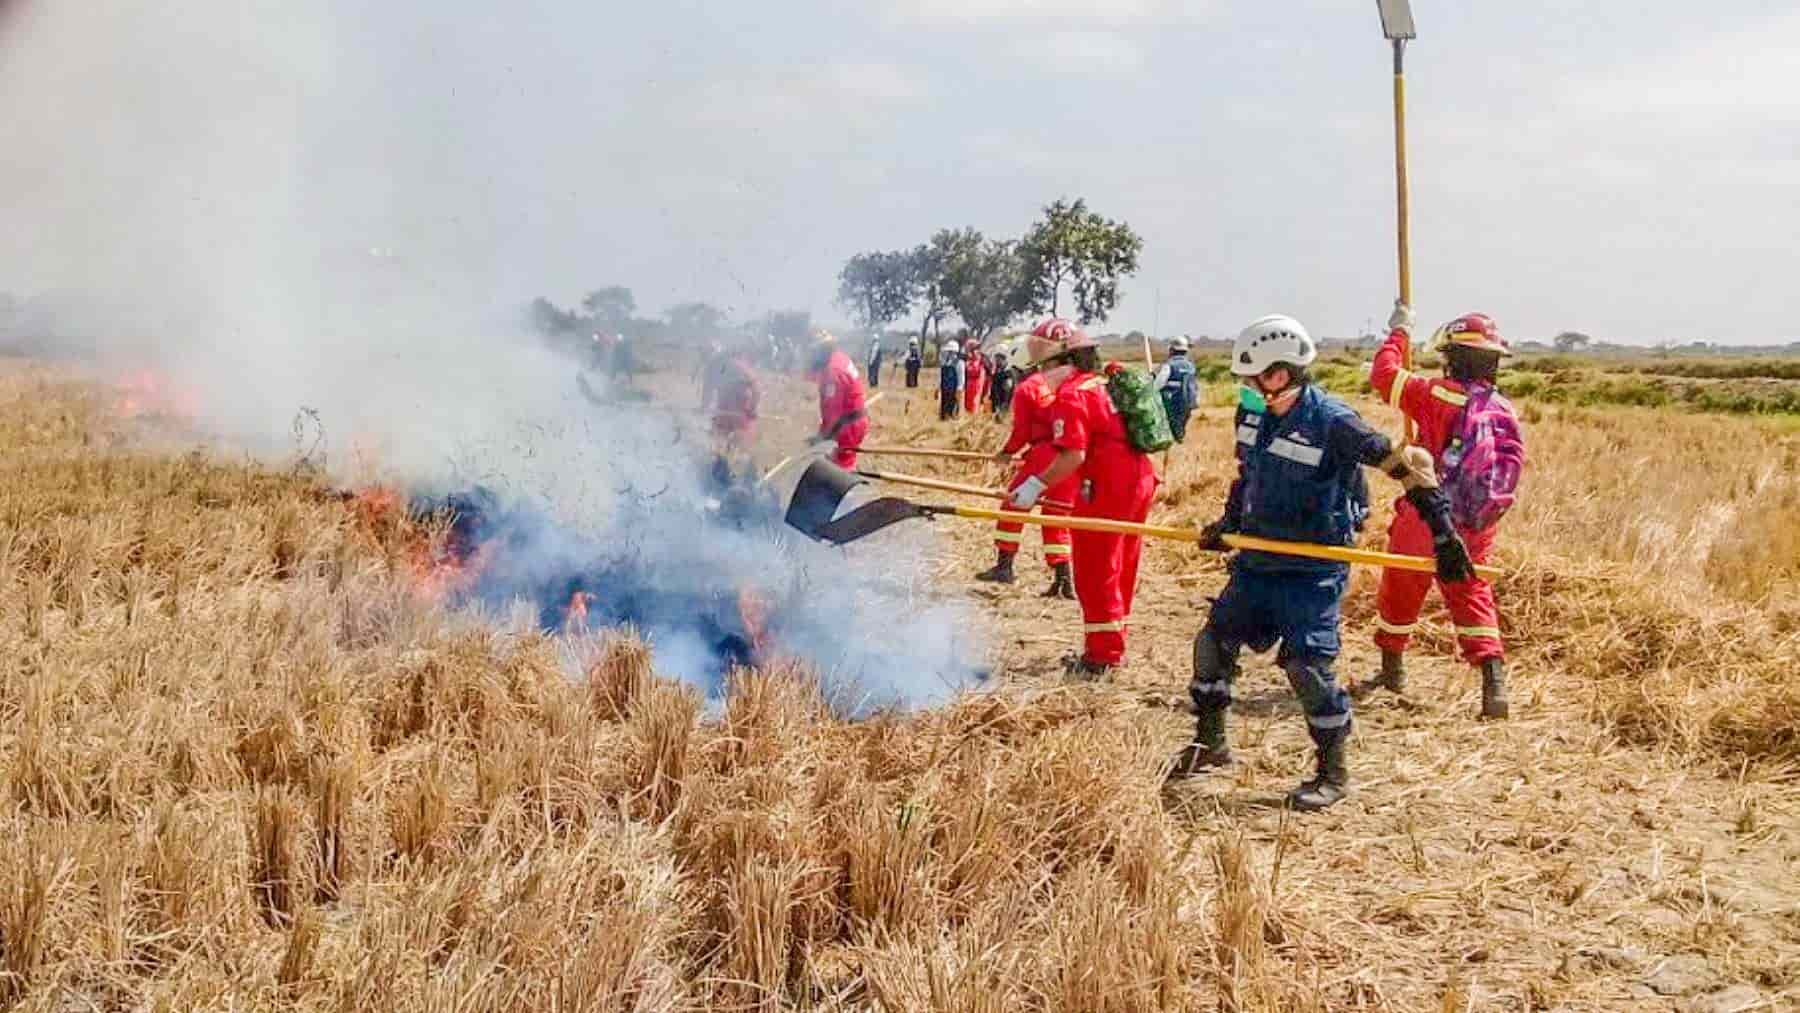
[1252,399]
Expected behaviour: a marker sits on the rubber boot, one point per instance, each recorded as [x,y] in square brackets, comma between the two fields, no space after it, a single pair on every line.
[1080,668]
[1392,677]
[1062,585]
[1002,572]
[1210,749]
[1330,784]
[1493,690]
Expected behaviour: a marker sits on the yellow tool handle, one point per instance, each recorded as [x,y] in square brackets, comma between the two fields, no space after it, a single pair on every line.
[1403,218]
[1335,553]
[958,455]
[943,486]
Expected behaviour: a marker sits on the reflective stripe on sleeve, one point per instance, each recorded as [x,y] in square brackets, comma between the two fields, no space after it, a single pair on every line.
[1246,435]
[1398,390]
[1449,396]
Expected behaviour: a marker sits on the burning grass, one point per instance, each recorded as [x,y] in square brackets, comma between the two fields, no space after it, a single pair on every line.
[248,766]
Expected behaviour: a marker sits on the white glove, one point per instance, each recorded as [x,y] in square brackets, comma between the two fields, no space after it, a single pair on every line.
[1026,495]
[1401,319]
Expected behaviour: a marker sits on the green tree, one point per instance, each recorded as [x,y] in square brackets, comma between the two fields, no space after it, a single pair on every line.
[931,264]
[1076,248]
[695,321]
[987,284]
[1572,341]
[878,287]
[610,309]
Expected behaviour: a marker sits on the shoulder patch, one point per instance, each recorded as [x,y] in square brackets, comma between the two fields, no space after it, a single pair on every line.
[1056,429]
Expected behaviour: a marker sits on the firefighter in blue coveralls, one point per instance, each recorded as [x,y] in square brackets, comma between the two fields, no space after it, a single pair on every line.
[1300,454]
[1179,386]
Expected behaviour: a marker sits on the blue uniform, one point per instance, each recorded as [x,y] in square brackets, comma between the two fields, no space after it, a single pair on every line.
[1299,479]
[1180,392]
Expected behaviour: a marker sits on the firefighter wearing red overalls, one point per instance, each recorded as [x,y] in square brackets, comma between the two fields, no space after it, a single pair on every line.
[1031,404]
[1117,483]
[974,377]
[1472,348]
[843,415]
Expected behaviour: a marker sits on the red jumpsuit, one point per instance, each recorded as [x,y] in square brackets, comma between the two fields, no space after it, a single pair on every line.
[840,397]
[1434,405]
[1031,428]
[737,399]
[974,382]
[1117,482]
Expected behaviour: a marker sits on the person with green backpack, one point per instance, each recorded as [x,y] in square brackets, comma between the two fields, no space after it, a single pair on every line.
[1102,446]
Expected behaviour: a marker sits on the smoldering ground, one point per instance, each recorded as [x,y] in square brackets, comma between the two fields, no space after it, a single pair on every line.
[315,213]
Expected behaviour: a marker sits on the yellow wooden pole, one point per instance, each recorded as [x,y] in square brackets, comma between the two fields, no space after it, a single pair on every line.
[957,455]
[942,486]
[1403,208]
[1308,550]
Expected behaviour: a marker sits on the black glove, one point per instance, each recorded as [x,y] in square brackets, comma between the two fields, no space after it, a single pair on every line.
[1212,537]
[1453,563]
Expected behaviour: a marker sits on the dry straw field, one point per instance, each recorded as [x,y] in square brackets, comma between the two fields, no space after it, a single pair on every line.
[246,767]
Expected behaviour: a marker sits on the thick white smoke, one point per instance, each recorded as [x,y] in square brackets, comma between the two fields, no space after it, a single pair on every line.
[287,206]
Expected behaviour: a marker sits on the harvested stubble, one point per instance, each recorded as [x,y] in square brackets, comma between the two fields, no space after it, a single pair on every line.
[248,771]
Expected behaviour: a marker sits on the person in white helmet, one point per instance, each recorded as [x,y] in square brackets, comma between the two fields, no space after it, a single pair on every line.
[1300,457]
[1179,385]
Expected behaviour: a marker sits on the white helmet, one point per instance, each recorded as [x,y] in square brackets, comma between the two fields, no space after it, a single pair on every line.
[1179,344]
[1018,354]
[1269,341]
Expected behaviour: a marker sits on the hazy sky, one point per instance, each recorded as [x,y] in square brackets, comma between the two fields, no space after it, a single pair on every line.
[1631,170]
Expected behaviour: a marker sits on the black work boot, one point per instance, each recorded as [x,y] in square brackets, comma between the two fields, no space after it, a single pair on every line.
[1392,677]
[1079,667]
[1002,572]
[1210,749]
[1062,585]
[1493,690]
[1330,784]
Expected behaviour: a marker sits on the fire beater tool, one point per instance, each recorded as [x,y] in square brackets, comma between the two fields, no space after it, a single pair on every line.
[823,487]
[944,452]
[943,486]
[1397,25]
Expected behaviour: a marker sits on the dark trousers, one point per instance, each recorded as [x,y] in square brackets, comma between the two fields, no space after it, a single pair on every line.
[949,402]
[912,374]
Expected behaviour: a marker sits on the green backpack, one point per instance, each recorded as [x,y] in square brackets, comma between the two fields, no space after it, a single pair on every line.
[1140,404]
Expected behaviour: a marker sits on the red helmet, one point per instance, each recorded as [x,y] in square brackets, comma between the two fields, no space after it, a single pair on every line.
[1473,330]
[1055,337]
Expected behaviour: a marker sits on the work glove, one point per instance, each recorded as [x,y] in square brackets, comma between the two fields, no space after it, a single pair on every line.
[1453,563]
[1212,536]
[1401,319]
[1002,457]
[1026,495]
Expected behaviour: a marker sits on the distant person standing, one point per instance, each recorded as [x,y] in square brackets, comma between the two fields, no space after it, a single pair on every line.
[950,381]
[875,354]
[1179,385]
[915,360]
[974,376]
[1001,384]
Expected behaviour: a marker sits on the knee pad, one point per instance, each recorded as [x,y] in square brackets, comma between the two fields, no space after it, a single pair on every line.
[1314,683]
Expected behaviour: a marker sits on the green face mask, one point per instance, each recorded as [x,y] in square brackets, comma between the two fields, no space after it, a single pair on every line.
[1252,399]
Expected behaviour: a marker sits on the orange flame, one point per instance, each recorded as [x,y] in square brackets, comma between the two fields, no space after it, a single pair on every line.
[754,608]
[433,571]
[147,393]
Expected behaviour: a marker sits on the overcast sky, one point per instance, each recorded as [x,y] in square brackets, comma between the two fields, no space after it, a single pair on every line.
[1630,170]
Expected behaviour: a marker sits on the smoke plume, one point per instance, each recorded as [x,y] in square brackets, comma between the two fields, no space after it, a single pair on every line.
[293,208]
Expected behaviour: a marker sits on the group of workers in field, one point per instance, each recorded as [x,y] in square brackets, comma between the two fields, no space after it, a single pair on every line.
[1301,459]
